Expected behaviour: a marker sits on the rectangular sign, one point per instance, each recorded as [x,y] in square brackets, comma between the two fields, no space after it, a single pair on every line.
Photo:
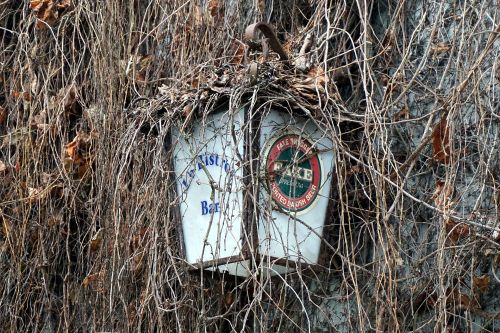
[294,177]
[297,161]
[209,185]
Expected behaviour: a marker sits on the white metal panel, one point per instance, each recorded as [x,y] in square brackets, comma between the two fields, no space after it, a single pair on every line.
[241,268]
[285,234]
[209,177]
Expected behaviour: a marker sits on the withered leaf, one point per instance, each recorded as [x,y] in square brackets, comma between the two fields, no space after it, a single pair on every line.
[214,7]
[96,241]
[229,298]
[138,263]
[138,240]
[82,169]
[63,5]
[355,169]
[456,230]
[21,94]
[441,141]
[15,137]
[318,74]
[238,54]
[142,62]
[91,278]
[78,155]
[38,121]
[36,5]
[48,11]
[464,301]
[72,150]
[440,48]
[52,190]
[481,283]
[187,110]
[3,115]
[195,82]
[442,194]
[78,149]
[468,302]
[69,97]
[3,167]
[35,194]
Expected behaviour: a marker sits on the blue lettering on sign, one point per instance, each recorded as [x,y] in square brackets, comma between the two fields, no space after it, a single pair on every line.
[207,208]
[206,160]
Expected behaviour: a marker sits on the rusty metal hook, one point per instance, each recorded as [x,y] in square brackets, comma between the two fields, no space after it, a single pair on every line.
[268,31]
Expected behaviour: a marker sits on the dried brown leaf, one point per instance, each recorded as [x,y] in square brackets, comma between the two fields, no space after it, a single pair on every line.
[96,241]
[38,121]
[464,301]
[91,278]
[72,150]
[384,79]
[442,194]
[138,240]
[36,5]
[35,194]
[48,16]
[440,48]
[214,7]
[318,75]
[468,302]
[63,5]
[78,157]
[238,55]
[138,263]
[15,137]
[229,298]
[355,169]
[75,149]
[53,190]
[21,94]
[3,115]
[456,230]
[480,284]
[441,141]
[68,96]
[48,11]
[195,83]
[187,110]
[3,167]
[82,169]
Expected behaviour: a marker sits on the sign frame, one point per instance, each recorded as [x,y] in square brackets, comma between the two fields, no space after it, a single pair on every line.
[249,256]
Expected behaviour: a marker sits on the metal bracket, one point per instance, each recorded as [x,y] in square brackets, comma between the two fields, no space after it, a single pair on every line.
[271,40]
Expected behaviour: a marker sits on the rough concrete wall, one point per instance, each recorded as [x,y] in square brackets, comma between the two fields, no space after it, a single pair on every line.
[441,88]
[417,129]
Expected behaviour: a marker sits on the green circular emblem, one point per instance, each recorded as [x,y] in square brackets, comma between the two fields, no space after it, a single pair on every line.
[294,172]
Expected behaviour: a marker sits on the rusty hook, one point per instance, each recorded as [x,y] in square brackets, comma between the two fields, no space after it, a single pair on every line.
[268,31]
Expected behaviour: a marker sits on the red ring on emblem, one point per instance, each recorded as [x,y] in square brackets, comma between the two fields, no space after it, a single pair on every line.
[283,146]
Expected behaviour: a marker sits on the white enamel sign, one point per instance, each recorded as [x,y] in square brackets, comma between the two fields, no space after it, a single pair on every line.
[208,182]
[296,160]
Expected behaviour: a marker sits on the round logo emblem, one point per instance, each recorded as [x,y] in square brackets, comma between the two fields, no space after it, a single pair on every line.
[294,172]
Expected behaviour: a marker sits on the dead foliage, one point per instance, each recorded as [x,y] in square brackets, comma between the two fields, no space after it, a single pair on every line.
[89,229]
